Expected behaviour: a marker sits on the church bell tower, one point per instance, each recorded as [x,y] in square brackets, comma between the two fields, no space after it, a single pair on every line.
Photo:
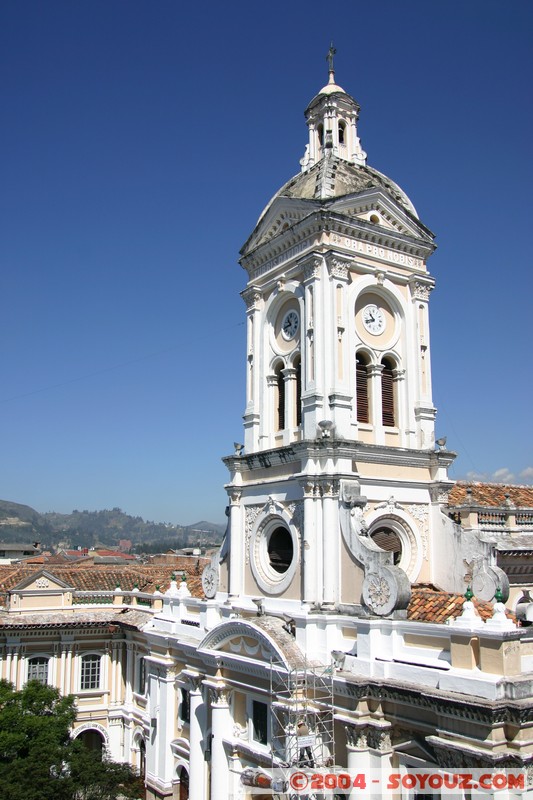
[334,500]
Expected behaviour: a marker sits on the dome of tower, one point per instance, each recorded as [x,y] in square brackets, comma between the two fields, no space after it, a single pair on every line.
[333,177]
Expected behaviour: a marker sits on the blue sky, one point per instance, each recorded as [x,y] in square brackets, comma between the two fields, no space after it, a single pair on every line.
[140,142]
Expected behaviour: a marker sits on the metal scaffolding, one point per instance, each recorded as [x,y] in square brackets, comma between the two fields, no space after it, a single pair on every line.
[302,716]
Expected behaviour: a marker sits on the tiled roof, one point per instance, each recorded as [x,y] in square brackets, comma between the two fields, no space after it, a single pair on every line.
[490,494]
[430,605]
[108,616]
[106,577]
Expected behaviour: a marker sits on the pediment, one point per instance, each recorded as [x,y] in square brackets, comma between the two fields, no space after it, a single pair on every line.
[43,581]
[280,216]
[264,641]
[376,208]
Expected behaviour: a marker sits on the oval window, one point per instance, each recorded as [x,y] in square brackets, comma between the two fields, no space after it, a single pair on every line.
[280,549]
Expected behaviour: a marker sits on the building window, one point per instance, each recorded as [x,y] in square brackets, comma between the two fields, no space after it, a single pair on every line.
[389,540]
[141,675]
[185,705]
[259,722]
[387,394]
[280,410]
[38,669]
[90,672]
[361,389]
[342,132]
[298,367]
[280,549]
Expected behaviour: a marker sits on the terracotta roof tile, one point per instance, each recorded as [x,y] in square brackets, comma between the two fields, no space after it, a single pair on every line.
[490,494]
[84,577]
[430,605]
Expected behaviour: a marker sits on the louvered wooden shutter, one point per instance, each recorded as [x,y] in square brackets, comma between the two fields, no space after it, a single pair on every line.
[298,393]
[281,401]
[387,396]
[361,378]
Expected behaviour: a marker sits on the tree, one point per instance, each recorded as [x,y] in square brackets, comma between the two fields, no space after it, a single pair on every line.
[40,761]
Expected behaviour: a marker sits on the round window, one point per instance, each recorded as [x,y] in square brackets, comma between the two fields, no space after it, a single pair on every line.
[389,540]
[274,554]
[280,550]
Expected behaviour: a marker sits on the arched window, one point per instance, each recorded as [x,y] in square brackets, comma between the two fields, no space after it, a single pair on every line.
[280,392]
[320,132]
[361,387]
[298,368]
[387,394]
[342,132]
[184,784]
[142,758]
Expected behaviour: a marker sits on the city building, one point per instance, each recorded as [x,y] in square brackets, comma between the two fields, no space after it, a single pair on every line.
[335,628]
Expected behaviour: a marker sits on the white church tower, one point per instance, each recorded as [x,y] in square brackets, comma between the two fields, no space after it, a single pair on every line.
[335,497]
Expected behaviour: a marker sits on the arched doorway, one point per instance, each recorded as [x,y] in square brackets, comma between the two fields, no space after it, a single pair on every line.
[184,784]
[93,741]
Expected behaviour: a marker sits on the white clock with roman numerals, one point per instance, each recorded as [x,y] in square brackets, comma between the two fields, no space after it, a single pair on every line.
[373,319]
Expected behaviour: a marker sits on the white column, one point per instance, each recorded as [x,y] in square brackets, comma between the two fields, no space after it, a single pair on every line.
[165,726]
[130,655]
[374,376]
[196,735]
[289,380]
[220,727]
[330,543]
[8,664]
[309,565]
[236,544]
[15,666]
[358,759]
[68,669]
[61,678]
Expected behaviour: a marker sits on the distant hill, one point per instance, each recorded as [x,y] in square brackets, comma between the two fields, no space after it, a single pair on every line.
[105,528]
[19,523]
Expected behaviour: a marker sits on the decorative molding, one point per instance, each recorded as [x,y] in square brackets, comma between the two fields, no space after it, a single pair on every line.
[296,512]
[234,495]
[252,297]
[338,268]
[311,268]
[251,513]
[421,514]
[421,291]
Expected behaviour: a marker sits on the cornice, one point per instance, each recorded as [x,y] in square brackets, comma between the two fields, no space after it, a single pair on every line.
[355,450]
[302,235]
[498,712]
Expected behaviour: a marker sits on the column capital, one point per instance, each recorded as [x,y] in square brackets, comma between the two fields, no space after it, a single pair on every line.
[219,693]
[193,681]
[234,495]
[252,297]
[338,268]
[310,486]
[311,268]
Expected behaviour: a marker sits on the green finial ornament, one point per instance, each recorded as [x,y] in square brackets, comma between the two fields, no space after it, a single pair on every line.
[173,576]
[184,577]
[469,593]
[498,595]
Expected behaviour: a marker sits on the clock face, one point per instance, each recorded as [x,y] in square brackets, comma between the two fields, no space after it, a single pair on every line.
[290,325]
[373,319]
